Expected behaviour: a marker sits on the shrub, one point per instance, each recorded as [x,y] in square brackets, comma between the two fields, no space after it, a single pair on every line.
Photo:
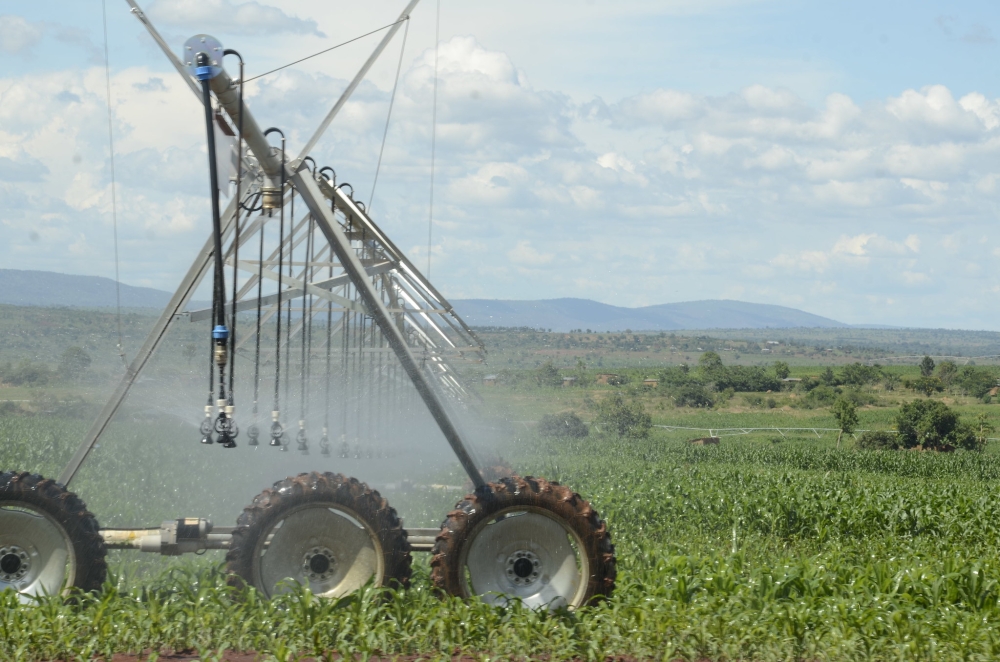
[746,378]
[859,374]
[924,384]
[876,440]
[566,424]
[931,425]
[821,396]
[974,381]
[26,373]
[692,395]
[548,375]
[859,398]
[623,419]
[73,362]
[679,376]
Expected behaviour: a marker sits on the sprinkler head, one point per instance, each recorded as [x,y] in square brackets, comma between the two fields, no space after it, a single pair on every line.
[206,431]
[227,431]
[277,432]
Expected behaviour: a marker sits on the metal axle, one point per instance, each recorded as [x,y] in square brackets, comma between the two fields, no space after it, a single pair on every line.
[188,535]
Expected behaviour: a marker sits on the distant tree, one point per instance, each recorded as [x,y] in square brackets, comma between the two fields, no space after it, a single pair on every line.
[26,373]
[976,382]
[847,416]
[890,381]
[566,424]
[926,366]
[931,425]
[983,428]
[693,395]
[925,384]
[746,378]
[781,370]
[859,374]
[548,375]
[73,362]
[621,418]
[946,372]
[710,366]
[828,377]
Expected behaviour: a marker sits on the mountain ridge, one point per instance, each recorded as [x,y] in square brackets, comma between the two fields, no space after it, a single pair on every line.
[48,288]
[572,313]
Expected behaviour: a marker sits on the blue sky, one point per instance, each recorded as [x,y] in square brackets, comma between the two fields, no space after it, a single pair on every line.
[842,158]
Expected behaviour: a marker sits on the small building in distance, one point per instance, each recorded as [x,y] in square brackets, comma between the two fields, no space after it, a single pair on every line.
[607,378]
[651,382]
[569,381]
[490,380]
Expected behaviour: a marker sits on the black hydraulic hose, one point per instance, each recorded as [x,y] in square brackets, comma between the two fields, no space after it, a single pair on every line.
[220,334]
[204,74]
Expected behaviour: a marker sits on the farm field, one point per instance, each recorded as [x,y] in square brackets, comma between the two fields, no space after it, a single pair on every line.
[767,546]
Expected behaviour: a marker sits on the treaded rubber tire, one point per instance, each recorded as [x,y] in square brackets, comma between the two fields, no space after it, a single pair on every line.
[513,491]
[271,505]
[71,513]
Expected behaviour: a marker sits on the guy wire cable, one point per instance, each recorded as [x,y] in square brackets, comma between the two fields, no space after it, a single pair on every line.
[392,100]
[434,110]
[327,50]
[114,192]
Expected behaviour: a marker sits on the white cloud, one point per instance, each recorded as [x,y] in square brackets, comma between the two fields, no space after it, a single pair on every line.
[526,255]
[18,35]
[657,197]
[228,17]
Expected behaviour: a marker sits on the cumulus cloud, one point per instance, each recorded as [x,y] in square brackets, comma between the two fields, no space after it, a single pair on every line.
[660,196]
[228,17]
[526,255]
[18,35]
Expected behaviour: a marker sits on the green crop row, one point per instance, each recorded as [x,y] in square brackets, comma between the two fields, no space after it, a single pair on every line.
[746,550]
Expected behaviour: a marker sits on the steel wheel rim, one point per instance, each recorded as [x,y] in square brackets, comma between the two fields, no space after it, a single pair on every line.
[528,554]
[36,553]
[294,548]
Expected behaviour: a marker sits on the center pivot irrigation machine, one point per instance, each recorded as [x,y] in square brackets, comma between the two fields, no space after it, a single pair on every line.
[370,313]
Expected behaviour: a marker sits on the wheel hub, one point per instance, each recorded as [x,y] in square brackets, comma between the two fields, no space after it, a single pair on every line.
[318,564]
[14,563]
[523,567]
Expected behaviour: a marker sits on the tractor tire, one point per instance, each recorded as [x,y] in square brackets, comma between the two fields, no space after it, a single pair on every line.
[323,530]
[49,542]
[513,539]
